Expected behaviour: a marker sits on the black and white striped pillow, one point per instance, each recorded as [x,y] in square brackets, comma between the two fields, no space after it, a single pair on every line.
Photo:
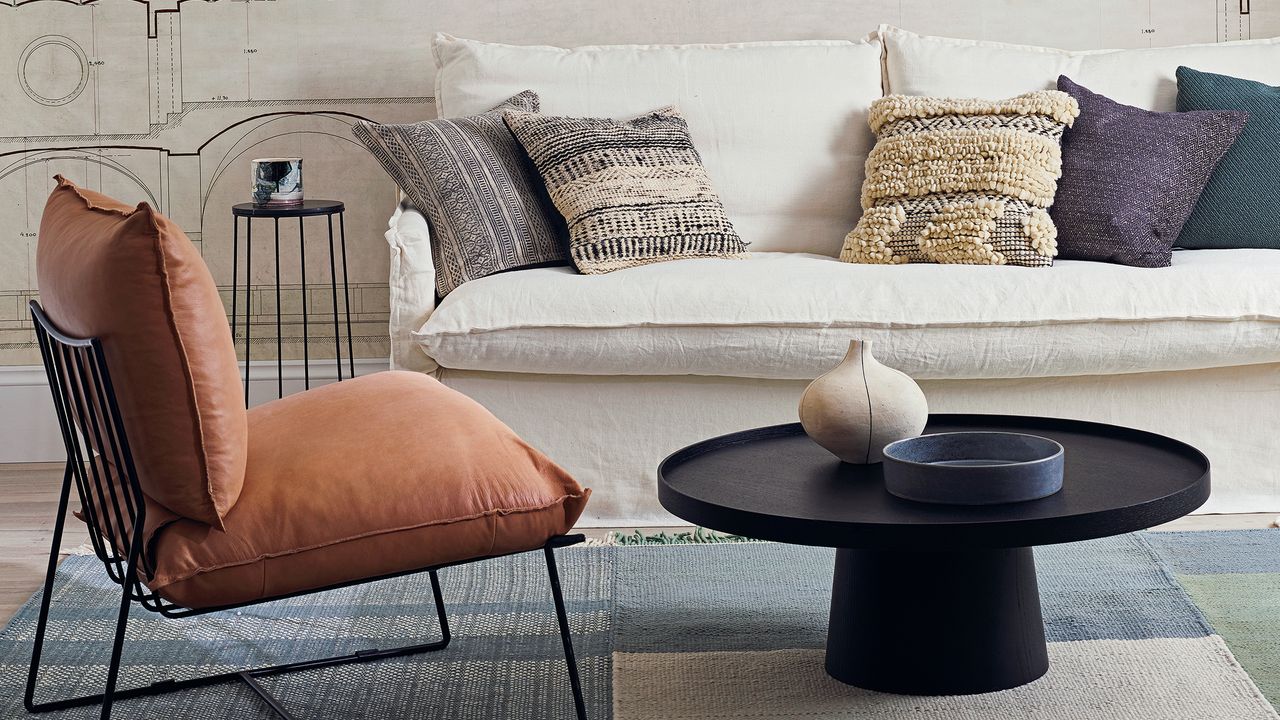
[484,203]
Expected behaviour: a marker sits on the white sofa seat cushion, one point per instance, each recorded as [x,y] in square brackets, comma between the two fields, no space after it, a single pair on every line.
[785,315]
[781,126]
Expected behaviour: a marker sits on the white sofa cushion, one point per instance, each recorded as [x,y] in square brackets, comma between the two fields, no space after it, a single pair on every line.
[780,315]
[781,126]
[924,65]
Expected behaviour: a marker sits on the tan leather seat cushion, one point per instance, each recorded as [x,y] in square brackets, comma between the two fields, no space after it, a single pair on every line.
[131,277]
[367,477]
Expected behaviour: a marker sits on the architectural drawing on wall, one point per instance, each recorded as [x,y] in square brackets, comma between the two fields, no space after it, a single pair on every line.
[1237,20]
[139,100]
[167,101]
[70,70]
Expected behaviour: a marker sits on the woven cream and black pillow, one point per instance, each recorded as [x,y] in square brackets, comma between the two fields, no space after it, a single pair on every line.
[632,192]
[962,181]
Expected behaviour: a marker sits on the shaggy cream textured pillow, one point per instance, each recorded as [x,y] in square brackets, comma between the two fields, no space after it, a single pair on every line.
[962,180]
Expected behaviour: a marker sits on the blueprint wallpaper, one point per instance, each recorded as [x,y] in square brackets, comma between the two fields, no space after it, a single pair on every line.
[167,101]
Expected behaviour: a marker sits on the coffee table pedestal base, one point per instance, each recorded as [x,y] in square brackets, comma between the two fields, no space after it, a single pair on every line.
[936,623]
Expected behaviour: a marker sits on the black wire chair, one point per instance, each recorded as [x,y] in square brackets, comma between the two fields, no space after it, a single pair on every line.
[114,508]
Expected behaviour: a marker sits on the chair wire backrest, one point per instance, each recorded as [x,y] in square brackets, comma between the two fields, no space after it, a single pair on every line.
[106,479]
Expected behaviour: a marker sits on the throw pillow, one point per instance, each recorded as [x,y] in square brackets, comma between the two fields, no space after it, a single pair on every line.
[485,207]
[1130,177]
[632,192]
[1238,206]
[962,180]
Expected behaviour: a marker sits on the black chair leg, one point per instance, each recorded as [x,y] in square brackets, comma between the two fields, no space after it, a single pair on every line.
[249,677]
[28,699]
[563,619]
[276,707]
[440,613]
[122,618]
[122,621]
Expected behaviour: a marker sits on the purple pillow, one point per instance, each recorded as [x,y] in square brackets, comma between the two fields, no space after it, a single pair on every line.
[1130,177]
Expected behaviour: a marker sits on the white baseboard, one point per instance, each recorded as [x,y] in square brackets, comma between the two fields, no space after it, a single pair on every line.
[29,429]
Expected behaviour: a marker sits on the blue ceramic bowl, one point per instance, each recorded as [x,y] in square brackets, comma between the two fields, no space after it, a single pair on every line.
[973,468]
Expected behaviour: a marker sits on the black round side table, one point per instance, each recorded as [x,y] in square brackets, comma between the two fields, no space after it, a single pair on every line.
[309,208]
[932,599]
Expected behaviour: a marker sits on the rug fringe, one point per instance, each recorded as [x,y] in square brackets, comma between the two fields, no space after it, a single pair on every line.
[83,549]
[697,536]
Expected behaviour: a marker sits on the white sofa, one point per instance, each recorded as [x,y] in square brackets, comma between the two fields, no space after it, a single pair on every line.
[611,373]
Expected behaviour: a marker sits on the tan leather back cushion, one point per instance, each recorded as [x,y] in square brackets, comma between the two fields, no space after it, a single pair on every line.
[132,278]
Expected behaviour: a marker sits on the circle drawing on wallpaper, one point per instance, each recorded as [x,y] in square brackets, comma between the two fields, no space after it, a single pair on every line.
[53,70]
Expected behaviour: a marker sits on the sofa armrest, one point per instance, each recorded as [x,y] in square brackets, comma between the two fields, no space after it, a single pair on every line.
[413,287]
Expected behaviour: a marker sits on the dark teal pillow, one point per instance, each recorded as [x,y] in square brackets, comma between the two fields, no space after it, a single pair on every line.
[1240,207]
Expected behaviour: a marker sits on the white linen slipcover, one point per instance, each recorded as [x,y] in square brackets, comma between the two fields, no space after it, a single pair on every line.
[1214,310]
[791,316]
[1145,77]
[412,286]
[611,432]
[781,126]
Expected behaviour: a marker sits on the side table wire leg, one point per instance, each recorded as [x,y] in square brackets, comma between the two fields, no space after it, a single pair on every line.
[333,294]
[248,302]
[346,293]
[235,273]
[279,312]
[302,259]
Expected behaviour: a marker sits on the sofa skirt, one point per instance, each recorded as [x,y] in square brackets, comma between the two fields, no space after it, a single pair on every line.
[611,432]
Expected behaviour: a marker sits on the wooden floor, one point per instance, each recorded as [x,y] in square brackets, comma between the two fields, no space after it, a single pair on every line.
[29,501]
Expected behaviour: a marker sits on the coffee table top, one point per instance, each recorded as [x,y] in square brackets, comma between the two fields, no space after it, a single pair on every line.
[774,483]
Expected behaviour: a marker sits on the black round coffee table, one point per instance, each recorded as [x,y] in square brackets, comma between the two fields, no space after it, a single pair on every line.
[932,599]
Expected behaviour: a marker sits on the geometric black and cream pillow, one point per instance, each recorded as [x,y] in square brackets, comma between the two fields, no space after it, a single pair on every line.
[962,180]
[484,203]
[633,192]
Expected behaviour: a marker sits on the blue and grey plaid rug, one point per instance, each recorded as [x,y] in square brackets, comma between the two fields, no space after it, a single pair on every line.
[675,632]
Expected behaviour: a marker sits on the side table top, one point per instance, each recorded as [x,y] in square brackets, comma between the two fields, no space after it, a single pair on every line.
[774,483]
[308,207]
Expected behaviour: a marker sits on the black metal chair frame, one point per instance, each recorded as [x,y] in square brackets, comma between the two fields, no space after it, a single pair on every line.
[84,398]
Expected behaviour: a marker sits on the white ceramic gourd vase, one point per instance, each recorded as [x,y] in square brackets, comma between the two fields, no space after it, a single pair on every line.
[861,405]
